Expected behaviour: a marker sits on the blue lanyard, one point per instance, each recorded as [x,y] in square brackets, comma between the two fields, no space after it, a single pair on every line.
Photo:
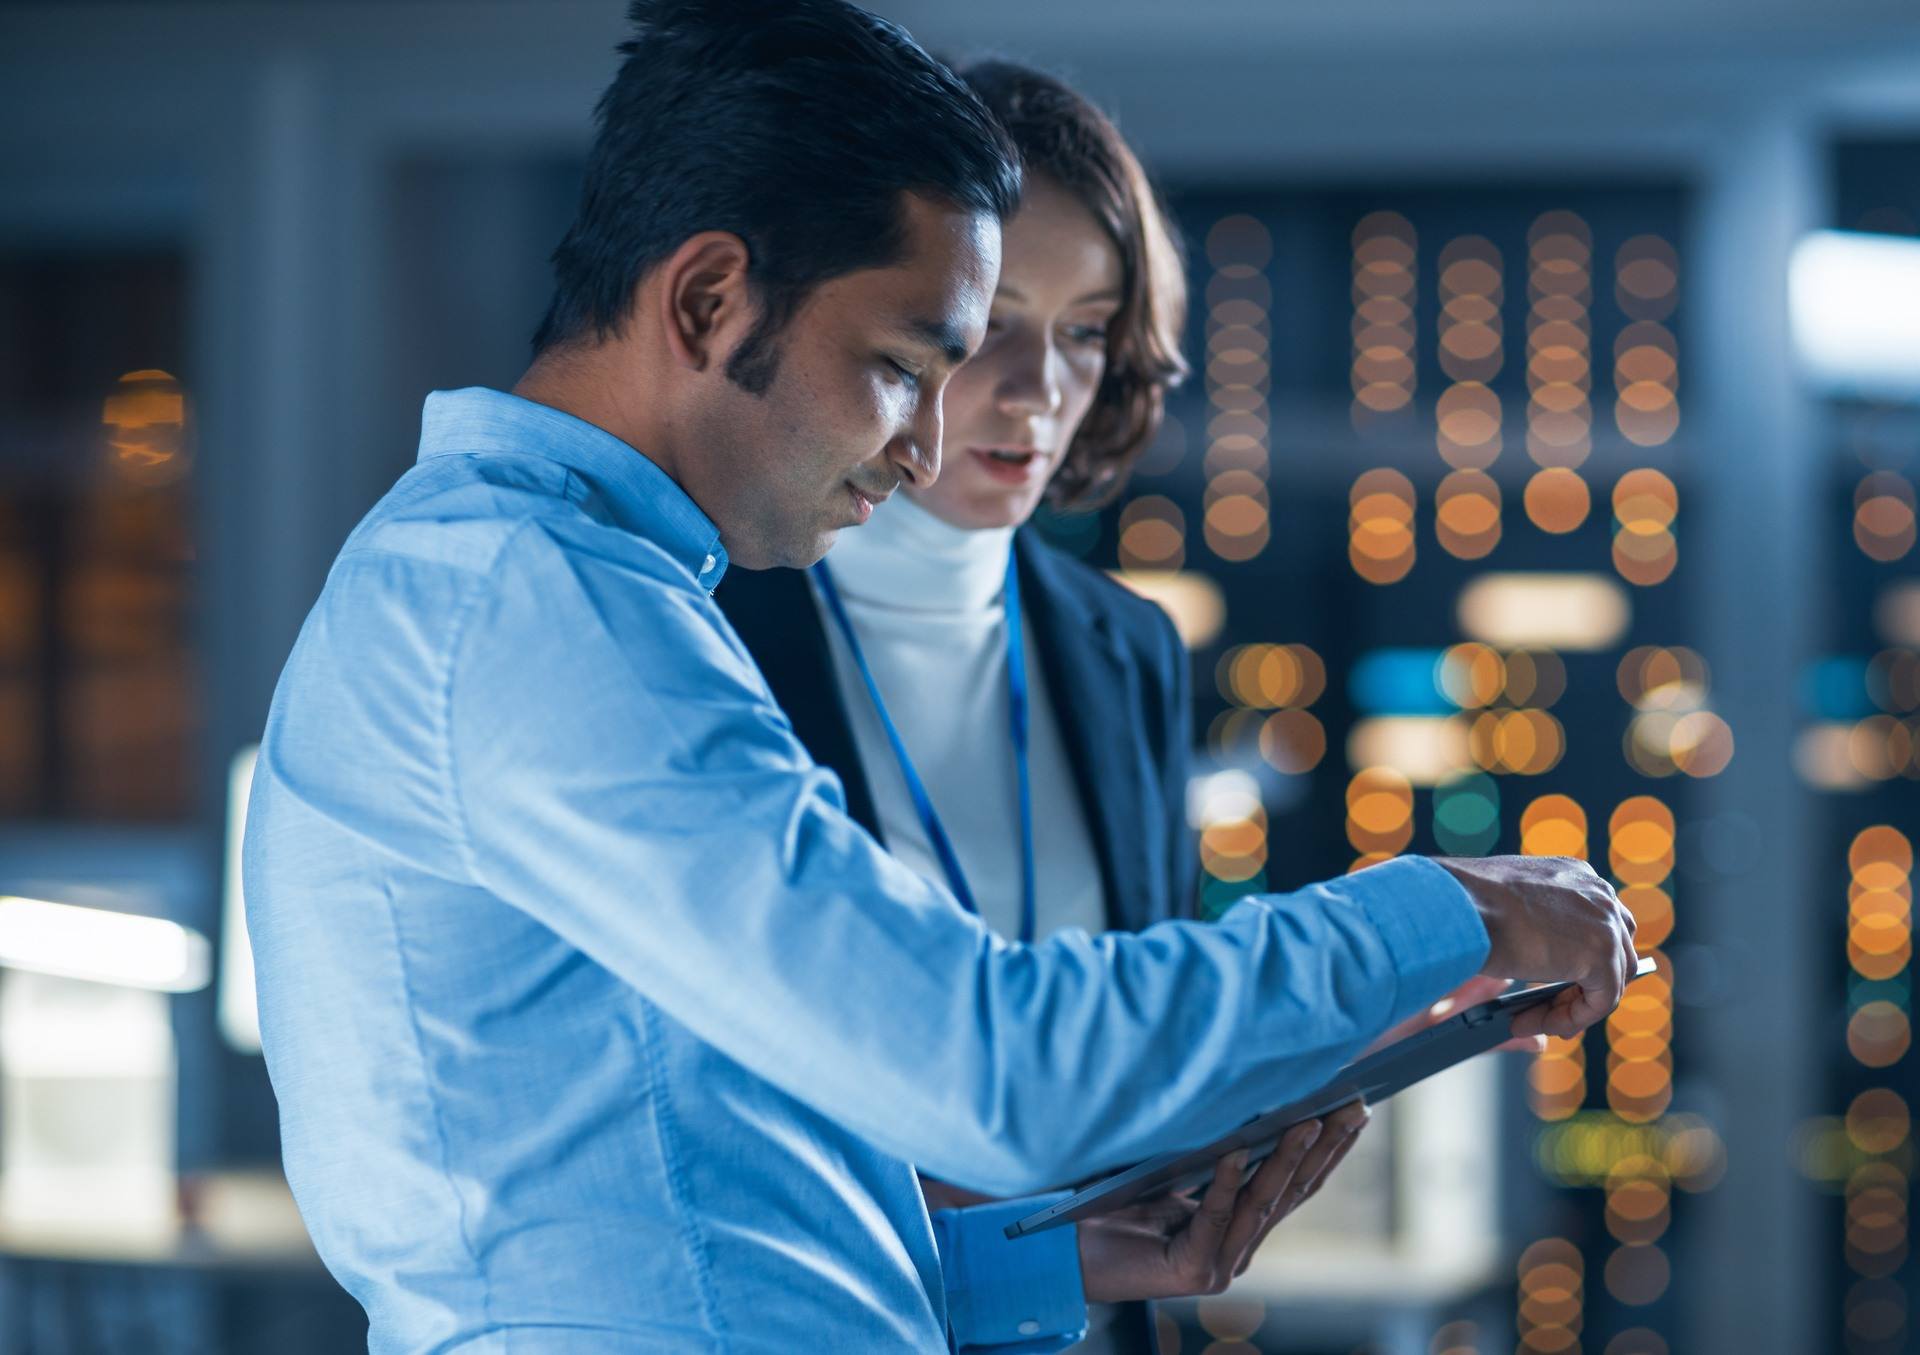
[1017,729]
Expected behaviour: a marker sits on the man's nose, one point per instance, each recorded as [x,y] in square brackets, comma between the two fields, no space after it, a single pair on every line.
[917,450]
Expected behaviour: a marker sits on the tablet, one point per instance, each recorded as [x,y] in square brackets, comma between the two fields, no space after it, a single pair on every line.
[1376,1077]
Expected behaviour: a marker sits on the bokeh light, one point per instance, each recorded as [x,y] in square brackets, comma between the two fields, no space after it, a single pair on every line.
[1559,343]
[1880,903]
[1557,500]
[1426,749]
[1655,677]
[1466,815]
[1234,513]
[1193,601]
[1646,278]
[1878,1120]
[1638,1275]
[1646,378]
[1380,526]
[1231,1317]
[1883,521]
[1467,514]
[1672,730]
[1379,811]
[1293,741]
[1527,742]
[1268,676]
[1553,825]
[1467,425]
[1645,503]
[1875,1313]
[1877,1219]
[1471,292]
[1233,843]
[1879,1035]
[1153,534]
[1559,611]
[1384,374]
[1235,523]
[1471,675]
[1641,840]
[1552,1296]
[145,418]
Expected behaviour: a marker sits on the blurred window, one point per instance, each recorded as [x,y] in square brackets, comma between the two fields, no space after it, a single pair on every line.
[99,694]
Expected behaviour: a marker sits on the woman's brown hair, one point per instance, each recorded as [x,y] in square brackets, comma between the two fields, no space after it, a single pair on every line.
[1060,134]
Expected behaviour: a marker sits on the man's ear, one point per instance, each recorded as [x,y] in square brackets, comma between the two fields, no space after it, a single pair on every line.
[705,303]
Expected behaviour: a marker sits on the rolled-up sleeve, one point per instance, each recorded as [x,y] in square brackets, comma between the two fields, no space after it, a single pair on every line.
[619,770]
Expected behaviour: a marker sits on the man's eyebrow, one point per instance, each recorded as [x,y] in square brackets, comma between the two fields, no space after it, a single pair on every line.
[941,336]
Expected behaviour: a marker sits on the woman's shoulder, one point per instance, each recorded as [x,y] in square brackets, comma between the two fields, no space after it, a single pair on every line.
[1125,614]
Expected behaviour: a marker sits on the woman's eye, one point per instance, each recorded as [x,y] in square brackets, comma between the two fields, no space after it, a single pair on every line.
[1087,334]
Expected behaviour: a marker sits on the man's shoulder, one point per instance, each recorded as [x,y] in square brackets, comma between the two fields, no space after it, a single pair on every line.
[478,513]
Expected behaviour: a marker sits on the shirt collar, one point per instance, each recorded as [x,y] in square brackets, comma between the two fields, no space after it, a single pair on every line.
[639,496]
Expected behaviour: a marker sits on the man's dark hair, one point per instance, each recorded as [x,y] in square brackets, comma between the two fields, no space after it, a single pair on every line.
[794,124]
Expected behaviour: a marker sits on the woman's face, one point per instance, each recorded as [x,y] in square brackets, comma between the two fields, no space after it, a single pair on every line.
[1011,410]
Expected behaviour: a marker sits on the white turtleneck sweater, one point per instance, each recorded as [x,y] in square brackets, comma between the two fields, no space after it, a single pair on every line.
[927,601]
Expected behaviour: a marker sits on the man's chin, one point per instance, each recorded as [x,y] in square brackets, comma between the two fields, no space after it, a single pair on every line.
[803,553]
[822,543]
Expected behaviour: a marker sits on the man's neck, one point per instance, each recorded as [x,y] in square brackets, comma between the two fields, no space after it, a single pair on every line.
[583,382]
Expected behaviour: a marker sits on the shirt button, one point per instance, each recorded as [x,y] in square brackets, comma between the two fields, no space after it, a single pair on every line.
[706,566]
[1029,1327]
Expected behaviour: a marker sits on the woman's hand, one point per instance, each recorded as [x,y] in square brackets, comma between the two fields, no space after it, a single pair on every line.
[1175,1245]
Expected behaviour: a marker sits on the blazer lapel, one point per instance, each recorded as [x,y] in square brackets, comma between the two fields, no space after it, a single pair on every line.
[1097,702]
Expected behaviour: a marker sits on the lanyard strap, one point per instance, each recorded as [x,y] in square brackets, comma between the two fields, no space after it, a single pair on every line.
[1017,731]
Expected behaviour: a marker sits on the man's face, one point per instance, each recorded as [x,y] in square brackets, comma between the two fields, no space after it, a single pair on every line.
[854,405]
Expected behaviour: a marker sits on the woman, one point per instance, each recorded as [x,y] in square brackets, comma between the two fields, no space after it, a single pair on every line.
[1002,716]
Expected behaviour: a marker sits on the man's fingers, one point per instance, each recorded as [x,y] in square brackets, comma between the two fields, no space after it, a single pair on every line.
[1337,1143]
[1269,1186]
[1344,1125]
[1332,1164]
[1208,1226]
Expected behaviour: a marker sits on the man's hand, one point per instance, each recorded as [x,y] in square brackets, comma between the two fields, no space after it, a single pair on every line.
[1175,1246]
[1551,918]
[1469,994]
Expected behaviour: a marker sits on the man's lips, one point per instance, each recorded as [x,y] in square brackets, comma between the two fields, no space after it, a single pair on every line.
[865,501]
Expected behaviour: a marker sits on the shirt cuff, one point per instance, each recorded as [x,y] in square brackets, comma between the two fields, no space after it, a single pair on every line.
[1430,927]
[1018,1296]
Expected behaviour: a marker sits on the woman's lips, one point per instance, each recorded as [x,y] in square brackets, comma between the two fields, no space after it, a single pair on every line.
[1006,471]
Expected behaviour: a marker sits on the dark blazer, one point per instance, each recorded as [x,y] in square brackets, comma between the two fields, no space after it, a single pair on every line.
[1117,676]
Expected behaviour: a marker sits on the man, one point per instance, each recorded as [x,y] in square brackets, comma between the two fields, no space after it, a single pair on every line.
[596,1024]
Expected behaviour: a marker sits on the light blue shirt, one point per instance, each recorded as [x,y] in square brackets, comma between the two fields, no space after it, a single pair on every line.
[597,1025]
